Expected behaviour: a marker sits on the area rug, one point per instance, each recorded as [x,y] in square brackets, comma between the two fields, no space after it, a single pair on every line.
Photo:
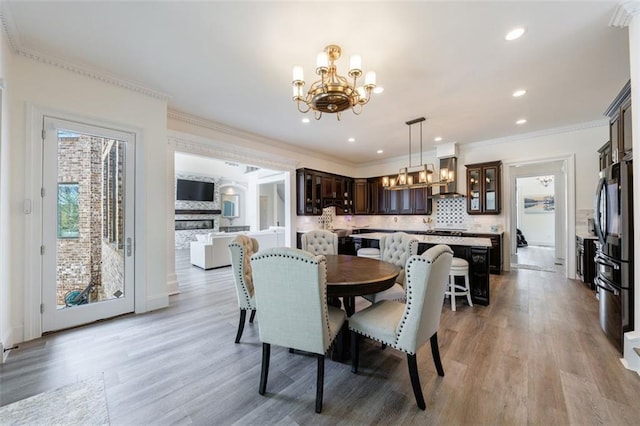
[81,403]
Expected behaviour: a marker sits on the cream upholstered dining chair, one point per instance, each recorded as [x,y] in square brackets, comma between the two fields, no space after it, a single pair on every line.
[291,299]
[319,241]
[395,248]
[407,326]
[241,248]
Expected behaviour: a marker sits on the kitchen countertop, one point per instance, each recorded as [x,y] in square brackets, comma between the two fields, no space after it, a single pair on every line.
[434,239]
[586,236]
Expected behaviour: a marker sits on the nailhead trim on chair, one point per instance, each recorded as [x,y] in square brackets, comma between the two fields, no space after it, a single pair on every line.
[240,276]
[317,260]
[409,298]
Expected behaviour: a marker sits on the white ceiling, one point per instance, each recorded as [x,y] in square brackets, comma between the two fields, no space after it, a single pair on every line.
[230,62]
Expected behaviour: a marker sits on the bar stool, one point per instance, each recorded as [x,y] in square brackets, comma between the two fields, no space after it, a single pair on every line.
[459,267]
[371,252]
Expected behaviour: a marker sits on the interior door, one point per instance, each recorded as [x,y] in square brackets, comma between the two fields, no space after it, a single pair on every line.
[87,223]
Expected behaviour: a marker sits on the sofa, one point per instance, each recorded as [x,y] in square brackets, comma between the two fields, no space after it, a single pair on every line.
[211,250]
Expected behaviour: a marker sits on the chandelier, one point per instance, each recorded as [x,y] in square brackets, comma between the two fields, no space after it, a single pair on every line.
[425,172]
[545,180]
[333,93]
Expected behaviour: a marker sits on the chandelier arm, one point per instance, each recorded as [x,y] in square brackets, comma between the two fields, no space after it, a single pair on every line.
[358,111]
[317,114]
[304,111]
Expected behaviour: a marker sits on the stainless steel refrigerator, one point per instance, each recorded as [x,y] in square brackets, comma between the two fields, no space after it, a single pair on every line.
[613,219]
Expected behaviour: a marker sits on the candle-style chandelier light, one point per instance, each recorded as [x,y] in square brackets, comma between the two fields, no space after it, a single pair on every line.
[425,172]
[333,93]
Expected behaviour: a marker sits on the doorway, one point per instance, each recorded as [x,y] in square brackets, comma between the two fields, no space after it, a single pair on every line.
[535,223]
[87,223]
[541,201]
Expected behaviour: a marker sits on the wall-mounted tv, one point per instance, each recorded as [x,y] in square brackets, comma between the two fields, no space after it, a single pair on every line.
[192,190]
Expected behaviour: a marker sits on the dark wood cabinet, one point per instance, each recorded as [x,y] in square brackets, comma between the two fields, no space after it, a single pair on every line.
[495,252]
[585,263]
[605,155]
[422,203]
[620,134]
[332,187]
[308,193]
[377,196]
[483,188]
[478,258]
[360,196]
[317,190]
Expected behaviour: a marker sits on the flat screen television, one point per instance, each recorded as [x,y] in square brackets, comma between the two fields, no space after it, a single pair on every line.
[192,190]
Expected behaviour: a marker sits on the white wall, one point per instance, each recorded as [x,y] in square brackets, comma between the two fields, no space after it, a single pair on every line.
[538,228]
[53,88]
[6,291]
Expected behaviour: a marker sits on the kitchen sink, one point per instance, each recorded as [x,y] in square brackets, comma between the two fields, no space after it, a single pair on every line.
[341,232]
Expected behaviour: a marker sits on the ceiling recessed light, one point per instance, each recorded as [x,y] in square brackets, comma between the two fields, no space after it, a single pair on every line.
[438,139]
[514,34]
[519,93]
[521,121]
[378,90]
[305,120]
[351,139]
[379,151]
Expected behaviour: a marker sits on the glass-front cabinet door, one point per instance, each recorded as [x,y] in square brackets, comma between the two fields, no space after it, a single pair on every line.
[491,189]
[483,188]
[473,190]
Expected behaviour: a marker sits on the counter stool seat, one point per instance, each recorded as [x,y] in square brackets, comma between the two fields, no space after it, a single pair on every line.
[459,268]
[371,252]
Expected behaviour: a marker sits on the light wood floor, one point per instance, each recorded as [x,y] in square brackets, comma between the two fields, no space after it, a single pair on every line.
[536,356]
[537,258]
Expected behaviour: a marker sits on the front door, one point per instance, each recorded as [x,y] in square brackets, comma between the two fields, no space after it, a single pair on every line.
[87,223]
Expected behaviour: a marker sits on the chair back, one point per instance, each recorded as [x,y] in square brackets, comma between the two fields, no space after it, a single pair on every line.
[396,248]
[241,249]
[427,280]
[319,241]
[291,299]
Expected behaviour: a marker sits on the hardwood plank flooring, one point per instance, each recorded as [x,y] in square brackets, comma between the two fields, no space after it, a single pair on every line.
[536,355]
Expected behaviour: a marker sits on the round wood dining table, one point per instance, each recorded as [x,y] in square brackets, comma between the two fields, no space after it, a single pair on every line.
[350,276]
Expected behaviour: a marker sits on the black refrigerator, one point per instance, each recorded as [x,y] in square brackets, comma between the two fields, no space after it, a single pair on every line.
[613,219]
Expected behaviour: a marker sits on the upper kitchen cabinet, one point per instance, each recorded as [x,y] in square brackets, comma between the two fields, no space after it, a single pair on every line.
[308,192]
[483,188]
[619,113]
[360,196]
[332,187]
[317,190]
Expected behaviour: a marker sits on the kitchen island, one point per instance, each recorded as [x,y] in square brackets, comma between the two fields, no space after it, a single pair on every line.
[473,249]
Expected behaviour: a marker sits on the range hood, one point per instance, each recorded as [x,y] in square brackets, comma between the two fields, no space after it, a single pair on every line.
[450,190]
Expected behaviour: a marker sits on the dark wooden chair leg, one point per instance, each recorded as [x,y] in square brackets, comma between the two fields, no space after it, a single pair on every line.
[435,351]
[355,351]
[253,315]
[415,381]
[320,383]
[243,316]
[266,353]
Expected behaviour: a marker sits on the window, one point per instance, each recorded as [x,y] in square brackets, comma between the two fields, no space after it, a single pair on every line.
[112,193]
[68,215]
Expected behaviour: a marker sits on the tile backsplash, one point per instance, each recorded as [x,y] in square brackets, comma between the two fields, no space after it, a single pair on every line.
[451,213]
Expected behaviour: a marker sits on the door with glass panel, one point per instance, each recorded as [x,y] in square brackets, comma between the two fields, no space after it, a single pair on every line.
[87,223]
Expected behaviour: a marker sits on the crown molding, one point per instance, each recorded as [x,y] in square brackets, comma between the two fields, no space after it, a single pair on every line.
[253,137]
[200,146]
[13,37]
[540,133]
[506,139]
[624,13]
[93,74]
